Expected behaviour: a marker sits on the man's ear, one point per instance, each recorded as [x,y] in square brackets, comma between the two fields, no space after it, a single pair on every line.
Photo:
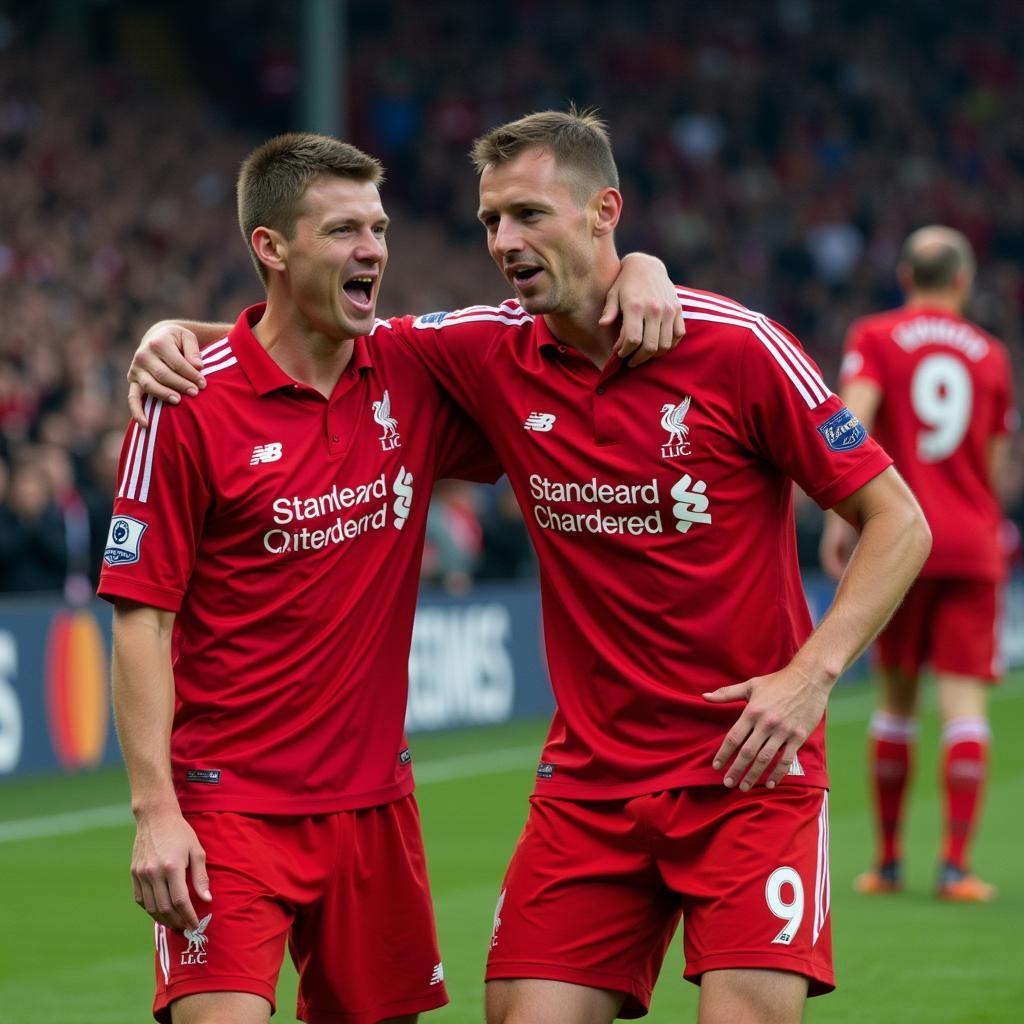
[271,247]
[607,209]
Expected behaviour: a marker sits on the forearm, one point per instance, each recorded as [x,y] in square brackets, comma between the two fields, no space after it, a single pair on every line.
[143,696]
[206,333]
[894,543]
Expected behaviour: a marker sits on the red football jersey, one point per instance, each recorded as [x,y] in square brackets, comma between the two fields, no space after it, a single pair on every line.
[286,531]
[659,500]
[946,392]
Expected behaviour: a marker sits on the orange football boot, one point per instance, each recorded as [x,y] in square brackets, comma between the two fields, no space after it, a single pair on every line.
[884,878]
[958,886]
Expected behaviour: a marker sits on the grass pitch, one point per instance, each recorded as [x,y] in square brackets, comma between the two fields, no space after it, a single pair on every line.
[74,949]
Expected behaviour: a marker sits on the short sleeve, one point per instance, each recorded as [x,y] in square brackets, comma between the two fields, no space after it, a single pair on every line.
[792,419]
[162,499]
[454,347]
[861,356]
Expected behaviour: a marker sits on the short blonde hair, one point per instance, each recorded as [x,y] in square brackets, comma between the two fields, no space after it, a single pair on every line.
[578,140]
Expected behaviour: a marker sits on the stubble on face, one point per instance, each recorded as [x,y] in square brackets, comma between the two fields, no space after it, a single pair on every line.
[542,202]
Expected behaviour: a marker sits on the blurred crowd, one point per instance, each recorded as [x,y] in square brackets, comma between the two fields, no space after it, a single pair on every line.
[775,151]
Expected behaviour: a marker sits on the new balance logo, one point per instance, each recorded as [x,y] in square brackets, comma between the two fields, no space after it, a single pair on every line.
[691,503]
[266,453]
[542,422]
[437,975]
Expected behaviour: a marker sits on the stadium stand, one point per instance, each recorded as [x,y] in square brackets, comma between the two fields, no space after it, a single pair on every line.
[776,153]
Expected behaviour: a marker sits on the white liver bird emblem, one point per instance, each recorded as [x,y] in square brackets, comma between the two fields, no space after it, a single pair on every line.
[197,938]
[672,417]
[382,414]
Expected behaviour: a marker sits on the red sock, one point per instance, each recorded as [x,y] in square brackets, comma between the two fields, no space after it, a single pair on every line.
[964,769]
[891,760]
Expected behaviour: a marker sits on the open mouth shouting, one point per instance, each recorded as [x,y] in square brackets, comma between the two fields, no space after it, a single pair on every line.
[360,290]
[522,275]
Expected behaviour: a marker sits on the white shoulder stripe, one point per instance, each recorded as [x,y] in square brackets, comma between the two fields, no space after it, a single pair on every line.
[802,364]
[140,455]
[131,450]
[718,300]
[216,353]
[207,370]
[788,356]
[153,424]
[509,308]
[755,328]
[793,352]
[495,316]
[213,347]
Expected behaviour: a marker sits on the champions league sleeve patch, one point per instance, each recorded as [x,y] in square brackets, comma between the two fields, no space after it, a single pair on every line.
[123,540]
[843,432]
[430,320]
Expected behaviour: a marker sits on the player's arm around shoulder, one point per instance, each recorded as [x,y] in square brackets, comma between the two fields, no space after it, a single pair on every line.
[457,347]
[168,363]
[644,302]
[166,848]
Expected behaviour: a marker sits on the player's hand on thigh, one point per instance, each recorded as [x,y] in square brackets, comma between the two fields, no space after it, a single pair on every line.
[166,852]
[167,365]
[782,710]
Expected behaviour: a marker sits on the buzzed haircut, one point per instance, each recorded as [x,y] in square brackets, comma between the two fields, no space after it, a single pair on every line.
[274,177]
[934,256]
[578,139]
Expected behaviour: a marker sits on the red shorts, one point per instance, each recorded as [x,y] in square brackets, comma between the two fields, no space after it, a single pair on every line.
[595,889]
[948,623]
[349,893]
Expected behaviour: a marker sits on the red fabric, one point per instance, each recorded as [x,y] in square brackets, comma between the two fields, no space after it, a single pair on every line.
[891,763]
[964,772]
[946,392]
[950,624]
[271,522]
[347,891]
[595,890]
[668,563]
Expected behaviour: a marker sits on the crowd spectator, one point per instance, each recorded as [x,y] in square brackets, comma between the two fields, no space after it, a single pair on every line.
[777,152]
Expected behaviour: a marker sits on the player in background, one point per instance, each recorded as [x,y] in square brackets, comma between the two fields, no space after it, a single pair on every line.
[659,500]
[935,390]
[263,560]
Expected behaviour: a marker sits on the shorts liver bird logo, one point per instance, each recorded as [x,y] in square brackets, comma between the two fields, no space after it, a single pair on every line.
[197,937]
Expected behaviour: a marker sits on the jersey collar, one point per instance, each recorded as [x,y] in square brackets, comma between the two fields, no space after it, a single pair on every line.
[544,337]
[263,373]
[546,340]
